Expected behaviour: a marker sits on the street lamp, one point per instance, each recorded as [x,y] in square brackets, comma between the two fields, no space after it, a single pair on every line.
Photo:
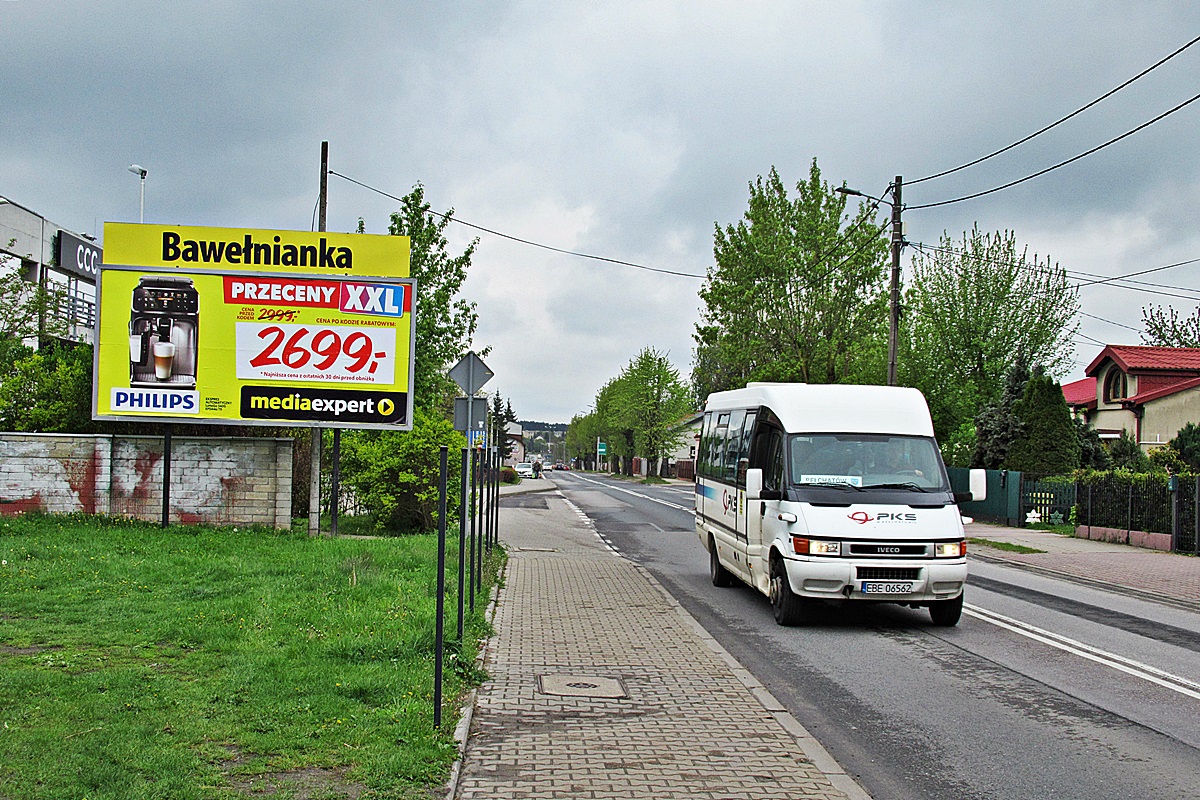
[141,173]
[897,243]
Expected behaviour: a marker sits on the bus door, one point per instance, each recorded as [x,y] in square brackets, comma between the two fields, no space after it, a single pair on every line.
[762,517]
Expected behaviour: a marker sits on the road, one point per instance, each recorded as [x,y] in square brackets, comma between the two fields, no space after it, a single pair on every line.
[1045,689]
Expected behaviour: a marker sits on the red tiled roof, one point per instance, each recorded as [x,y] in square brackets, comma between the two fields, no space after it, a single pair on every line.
[1081,392]
[1146,395]
[1134,358]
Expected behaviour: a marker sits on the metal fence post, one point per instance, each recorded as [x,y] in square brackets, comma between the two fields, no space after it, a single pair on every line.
[439,622]
[1129,515]
[1173,488]
[464,506]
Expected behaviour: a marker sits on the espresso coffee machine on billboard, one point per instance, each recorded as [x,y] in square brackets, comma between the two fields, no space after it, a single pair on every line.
[163,326]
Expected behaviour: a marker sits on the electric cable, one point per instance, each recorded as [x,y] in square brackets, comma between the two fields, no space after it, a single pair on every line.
[523,241]
[1077,275]
[1071,160]
[1074,113]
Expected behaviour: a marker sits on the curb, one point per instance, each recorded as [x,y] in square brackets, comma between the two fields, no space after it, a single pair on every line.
[1106,586]
[463,729]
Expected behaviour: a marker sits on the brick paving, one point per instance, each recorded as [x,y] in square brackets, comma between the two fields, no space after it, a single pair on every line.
[692,723]
[1170,576]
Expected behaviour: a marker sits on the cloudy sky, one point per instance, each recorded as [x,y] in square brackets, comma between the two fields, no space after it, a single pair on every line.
[620,129]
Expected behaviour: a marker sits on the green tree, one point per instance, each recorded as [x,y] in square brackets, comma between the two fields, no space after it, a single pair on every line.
[28,310]
[1128,454]
[49,391]
[500,417]
[997,425]
[1187,444]
[445,321]
[1092,452]
[970,308]
[655,400]
[1165,328]
[1048,443]
[794,295]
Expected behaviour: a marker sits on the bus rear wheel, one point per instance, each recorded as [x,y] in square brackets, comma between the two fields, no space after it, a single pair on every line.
[790,609]
[719,575]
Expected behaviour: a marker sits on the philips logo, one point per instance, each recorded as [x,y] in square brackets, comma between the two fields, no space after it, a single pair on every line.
[162,401]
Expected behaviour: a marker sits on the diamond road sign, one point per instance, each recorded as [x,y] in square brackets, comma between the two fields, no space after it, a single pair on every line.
[470,373]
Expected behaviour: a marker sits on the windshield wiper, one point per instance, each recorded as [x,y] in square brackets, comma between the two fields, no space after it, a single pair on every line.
[903,485]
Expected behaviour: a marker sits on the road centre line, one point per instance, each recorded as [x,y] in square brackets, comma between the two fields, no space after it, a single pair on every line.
[1135,668]
[637,494]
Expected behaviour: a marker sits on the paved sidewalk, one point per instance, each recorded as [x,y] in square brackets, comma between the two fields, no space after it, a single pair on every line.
[602,686]
[1169,577]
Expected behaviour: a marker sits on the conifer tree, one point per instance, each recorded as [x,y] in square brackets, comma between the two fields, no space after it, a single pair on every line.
[1048,443]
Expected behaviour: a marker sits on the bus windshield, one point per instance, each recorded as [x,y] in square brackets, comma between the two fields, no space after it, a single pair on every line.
[866,461]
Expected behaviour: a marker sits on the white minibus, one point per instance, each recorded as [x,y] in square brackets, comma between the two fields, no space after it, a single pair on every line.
[831,493]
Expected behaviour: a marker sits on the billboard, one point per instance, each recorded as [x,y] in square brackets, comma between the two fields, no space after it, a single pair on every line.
[256,327]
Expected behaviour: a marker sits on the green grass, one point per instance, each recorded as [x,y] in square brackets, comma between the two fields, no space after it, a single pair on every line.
[187,663]
[1007,546]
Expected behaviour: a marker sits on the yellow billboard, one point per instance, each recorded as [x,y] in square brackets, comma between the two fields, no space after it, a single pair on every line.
[188,247]
[271,336]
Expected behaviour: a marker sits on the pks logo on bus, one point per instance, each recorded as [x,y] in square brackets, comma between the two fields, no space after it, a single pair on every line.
[728,502]
[862,517]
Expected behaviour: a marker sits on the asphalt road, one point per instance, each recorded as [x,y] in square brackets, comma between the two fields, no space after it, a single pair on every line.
[1045,689]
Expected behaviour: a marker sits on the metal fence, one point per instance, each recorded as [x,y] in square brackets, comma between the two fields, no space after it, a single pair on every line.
[1154,504]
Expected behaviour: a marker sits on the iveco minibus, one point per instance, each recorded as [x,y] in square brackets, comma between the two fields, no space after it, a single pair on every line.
[830,493]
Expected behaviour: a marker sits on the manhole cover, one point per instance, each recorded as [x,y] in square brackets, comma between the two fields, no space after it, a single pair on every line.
[581,686]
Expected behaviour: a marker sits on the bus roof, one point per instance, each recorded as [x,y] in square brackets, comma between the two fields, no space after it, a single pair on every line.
[834,408]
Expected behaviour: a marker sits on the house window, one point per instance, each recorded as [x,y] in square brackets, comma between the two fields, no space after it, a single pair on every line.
[1115,387]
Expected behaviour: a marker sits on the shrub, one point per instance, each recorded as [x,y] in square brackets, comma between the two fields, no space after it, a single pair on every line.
[395,474]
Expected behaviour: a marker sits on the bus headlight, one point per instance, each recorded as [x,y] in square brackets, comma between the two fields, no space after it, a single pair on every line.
[950,549]
[815,547]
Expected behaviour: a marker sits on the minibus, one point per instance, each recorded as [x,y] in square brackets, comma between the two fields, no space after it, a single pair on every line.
[830,494]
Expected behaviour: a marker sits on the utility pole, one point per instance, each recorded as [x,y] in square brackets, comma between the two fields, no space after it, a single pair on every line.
[897,244]
[314,473]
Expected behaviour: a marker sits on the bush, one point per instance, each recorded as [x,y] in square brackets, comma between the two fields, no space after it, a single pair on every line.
[395,474]
[1127,454]
[508,475]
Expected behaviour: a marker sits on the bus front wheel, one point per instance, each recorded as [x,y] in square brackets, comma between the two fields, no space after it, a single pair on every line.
[789,608]
[946,613]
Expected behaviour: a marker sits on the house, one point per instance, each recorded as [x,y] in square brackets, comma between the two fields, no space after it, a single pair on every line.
[1151,392]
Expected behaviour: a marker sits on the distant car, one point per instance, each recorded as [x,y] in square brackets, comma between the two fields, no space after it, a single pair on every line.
[524,470]
[559,465]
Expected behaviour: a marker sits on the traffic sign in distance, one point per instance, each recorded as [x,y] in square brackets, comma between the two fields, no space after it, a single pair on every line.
[470,373]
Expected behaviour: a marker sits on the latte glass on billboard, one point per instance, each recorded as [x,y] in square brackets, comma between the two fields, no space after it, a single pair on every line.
[307,335]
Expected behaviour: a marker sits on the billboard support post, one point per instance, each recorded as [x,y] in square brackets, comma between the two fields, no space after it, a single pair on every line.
[166,484]
[317,445]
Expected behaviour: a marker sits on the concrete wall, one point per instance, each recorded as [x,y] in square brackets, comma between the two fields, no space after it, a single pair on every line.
[1166,415]
[217,481]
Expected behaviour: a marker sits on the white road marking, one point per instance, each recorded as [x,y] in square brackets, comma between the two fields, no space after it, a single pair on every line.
[1130,667]
[637,494]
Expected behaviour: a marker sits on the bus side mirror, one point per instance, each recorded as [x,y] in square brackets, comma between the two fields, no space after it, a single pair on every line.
[978,486]
[753,484]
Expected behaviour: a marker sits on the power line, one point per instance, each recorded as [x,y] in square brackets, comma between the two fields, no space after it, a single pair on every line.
[1144,272]
[1074,113]
[1079,276]
[1110,322]
[524,241]
[1071,160]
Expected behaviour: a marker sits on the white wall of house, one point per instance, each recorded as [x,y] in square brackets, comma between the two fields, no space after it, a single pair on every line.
[1166,415]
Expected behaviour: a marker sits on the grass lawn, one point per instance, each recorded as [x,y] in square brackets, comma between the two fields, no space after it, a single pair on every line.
[186,663]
